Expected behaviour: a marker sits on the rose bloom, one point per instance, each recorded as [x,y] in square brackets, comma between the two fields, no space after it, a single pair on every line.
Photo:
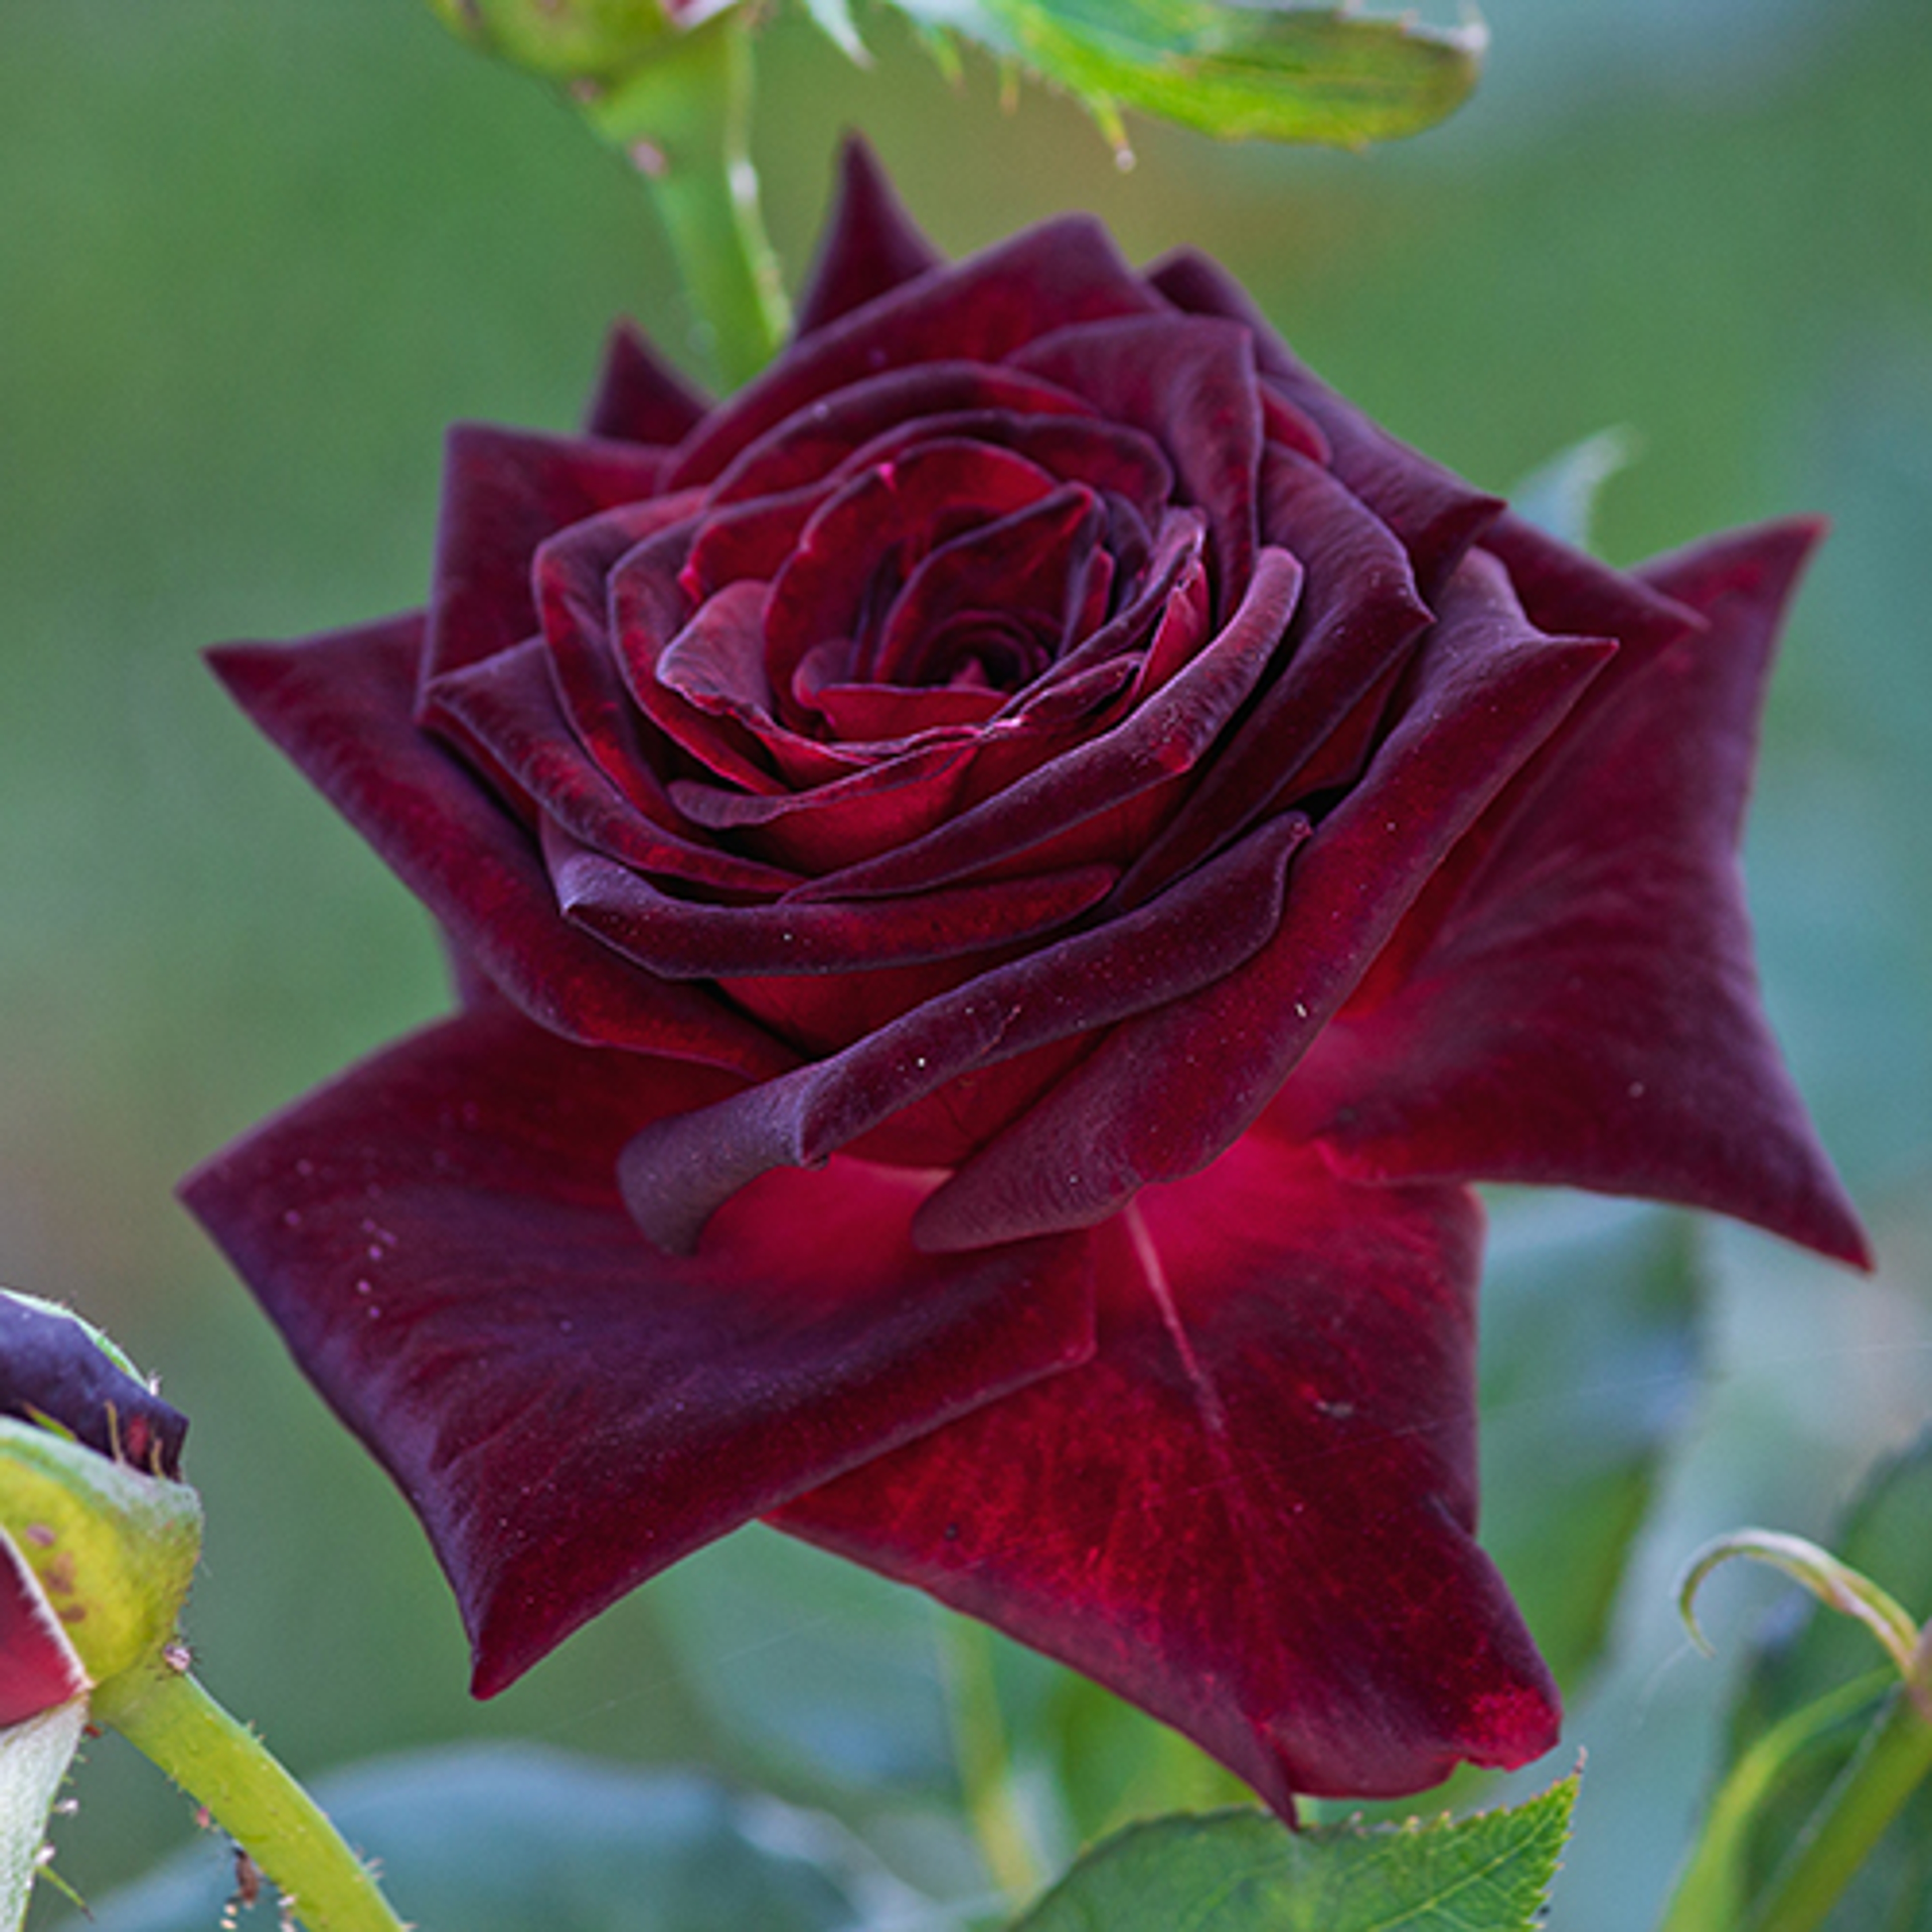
[1005,881]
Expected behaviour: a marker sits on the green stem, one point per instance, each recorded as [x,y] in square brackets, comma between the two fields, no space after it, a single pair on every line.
[1891,1760]
[684,118]
[985,1769]
[1710,1893]
[223,1765]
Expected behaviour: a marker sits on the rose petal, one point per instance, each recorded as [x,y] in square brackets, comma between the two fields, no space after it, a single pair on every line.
[1252,1512]
[1357,622]
[339,705]
[980,310]
[1585,1009]
[881,524]
[677,1171]
[39,1665]
[683,940]
[1156,744]
[1435,514]
[1190,385]
[439,1238]
[1486,690]
[870,244]
[507,705]
[504,491]
[891,803]
[858,425]
[1028,569]
[640,397]
[1108,457]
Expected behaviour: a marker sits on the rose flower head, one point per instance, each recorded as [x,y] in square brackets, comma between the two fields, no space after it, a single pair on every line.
[1006,880]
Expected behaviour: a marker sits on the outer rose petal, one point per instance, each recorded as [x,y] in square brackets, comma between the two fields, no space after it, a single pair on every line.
[870,245]
[1435,514]
[679,1171]
[640,397]
[1486,690]
[504,491]
[340,706]
[980,310]
[439,1237]
[1252,1513]
[1586,1010]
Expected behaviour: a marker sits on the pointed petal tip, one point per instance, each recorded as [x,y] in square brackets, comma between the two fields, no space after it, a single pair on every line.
[639,398]
[1762,561]
[870,245]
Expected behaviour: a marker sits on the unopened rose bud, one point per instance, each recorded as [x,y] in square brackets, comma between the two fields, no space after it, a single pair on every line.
[100,1538]
[59,1371]
[593,40]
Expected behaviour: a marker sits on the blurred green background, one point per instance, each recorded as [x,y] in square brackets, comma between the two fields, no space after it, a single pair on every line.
[254,254]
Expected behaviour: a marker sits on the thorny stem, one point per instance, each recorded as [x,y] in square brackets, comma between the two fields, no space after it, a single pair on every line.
[221,1764]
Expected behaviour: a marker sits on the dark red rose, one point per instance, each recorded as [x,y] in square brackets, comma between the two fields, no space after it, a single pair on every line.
[1006,880]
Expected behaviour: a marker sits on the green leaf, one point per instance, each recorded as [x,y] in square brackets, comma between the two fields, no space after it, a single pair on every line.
[1269,72]
[505,1838]
[1805,1656]
[1244,1872]
[1591,1367]
[1560,497]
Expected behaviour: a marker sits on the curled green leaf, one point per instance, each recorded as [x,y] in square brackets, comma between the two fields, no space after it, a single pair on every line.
[1269,72]
[1835,1584]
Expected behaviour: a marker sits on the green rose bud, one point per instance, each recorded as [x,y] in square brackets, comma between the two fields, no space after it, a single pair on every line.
[593,40]
[112,1549]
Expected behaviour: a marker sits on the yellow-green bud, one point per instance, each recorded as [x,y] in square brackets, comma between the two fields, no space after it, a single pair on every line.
[596,41]
[113,1549]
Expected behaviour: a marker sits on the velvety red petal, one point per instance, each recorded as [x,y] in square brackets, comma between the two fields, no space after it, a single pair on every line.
[870,245]
[683,940]
[640,397]
[884,804]
[1435,514]
[1162,739]
[39,1667]
[504,491]
[1486,690]
[340,706]
[509,706]
[1585,1009]
[892,517]
[1190,384]
[980,310]
[1252,1512]
[439,1238]
[853,426]
[677,1172]
[1026,572]
[1358,620]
